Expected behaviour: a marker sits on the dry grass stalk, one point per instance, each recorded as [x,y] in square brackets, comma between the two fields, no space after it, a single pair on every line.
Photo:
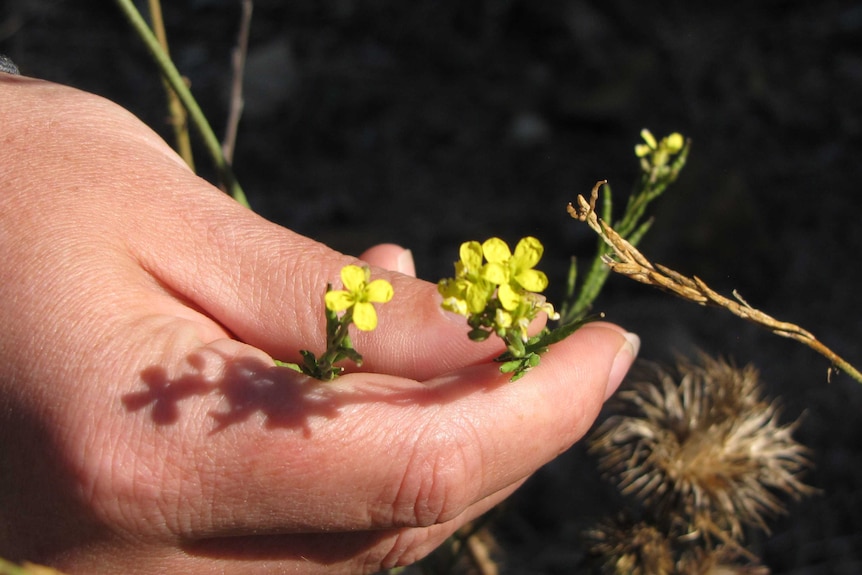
[238,59]
[628,261]
[479,549]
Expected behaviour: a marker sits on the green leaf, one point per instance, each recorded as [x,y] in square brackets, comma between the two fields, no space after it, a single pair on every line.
[478,334]
[351,354]
[561,332]
[308,358]
[510,366]
[289,365]
[518,375]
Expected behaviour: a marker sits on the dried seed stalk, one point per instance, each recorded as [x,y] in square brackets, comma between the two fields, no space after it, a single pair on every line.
[628,261]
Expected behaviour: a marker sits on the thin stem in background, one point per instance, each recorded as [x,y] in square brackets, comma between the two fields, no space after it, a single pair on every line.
[236,98]
[197,116]
[179,117]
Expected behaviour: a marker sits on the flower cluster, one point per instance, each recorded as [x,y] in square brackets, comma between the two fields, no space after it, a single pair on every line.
[655,154]
[499,292]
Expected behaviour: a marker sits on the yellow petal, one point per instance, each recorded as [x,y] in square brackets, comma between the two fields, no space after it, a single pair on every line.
[528,252]
[496,273]
[455,305]
[460,269]
[477,296]
[354,278]
[338,300]
[496,250]
[379,291]
[450,287]
[364,316]
[532,280]
[649,138]
[508,297]
[471,256]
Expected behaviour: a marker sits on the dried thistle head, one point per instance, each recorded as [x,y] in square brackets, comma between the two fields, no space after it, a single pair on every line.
[702,449]
[626,547]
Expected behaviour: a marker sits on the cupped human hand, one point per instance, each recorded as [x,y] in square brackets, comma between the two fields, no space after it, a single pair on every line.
[144,425]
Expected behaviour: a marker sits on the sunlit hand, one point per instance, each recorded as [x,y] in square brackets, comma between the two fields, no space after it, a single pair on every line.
[144,426]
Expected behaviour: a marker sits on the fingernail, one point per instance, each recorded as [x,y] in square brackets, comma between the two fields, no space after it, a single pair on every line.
[622,362]
[405,263]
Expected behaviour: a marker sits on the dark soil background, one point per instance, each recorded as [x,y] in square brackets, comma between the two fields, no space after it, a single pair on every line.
[429,123]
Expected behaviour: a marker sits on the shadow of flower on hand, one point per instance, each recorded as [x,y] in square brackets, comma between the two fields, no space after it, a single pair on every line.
[285,398]
[248,386]
[165,394]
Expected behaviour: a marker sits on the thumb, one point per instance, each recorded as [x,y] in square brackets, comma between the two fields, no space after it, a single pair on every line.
[390,257]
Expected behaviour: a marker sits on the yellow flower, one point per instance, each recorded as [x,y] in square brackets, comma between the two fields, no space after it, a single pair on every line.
[514,274]
[359,294]
[469,291]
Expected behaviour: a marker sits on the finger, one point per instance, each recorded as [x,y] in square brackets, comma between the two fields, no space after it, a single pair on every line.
[373,451]
[390,257]
[258,281]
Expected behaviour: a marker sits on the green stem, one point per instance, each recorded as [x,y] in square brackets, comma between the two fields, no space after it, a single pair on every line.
[176,82]
[592,286]
[335,345]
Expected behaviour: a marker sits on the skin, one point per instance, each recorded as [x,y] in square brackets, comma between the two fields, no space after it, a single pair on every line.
[144,426]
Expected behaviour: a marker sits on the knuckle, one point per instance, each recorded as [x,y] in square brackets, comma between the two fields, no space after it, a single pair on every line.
[440,476]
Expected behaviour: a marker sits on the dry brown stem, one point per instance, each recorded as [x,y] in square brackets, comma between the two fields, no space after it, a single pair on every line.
[628,261]
[178,114]
[480,555]
[238,59]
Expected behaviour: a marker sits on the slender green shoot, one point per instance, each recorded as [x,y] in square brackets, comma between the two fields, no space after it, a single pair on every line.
[661,162]
[178,84]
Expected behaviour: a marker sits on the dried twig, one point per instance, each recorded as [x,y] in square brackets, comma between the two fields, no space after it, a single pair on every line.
[628,261]
[179,117]
[236,98]
[480,555]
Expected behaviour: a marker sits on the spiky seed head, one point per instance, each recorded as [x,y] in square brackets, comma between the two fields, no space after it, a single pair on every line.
[701,448]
